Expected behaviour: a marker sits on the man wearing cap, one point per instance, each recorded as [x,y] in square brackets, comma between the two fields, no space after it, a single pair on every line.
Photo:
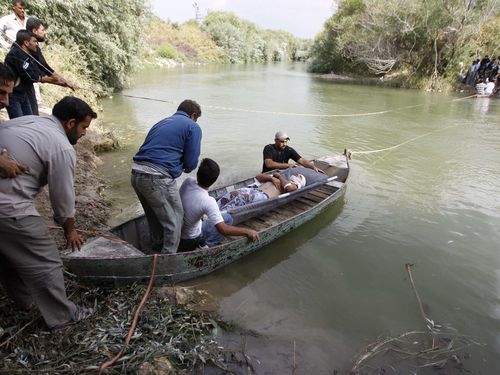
[277,155]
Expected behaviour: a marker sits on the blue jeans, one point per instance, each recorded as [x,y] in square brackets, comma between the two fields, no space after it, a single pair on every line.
[210,236]
[209,232]
[162,205]
[19,105]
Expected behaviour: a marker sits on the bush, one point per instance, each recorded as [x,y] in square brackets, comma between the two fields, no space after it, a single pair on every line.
[166,51]
[243,42]
[102,37]
[428,41]
[188,40]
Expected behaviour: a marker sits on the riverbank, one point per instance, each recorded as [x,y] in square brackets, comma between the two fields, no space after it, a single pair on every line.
[394,81]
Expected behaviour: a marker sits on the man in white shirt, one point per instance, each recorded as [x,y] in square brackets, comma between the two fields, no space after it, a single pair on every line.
[196,203]
[12,23]
[490,86]
[480,87]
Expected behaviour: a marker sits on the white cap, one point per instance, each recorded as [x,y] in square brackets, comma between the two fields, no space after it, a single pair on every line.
[281,135]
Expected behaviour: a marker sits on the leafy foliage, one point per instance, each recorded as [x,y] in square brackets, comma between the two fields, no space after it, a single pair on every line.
[102,37]
[416,38]
[166,51]
[188,40]
[242,41]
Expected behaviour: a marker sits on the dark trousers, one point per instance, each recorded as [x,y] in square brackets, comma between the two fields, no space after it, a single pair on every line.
[20,105]
[31,269]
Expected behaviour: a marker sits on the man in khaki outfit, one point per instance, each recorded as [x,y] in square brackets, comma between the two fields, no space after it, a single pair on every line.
[30,265]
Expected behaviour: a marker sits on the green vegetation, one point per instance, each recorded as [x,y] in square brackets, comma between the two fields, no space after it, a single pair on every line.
[222,37]
[422,43]
[97,44]
[93,43]
[188,42]
[243,42]
[166,51]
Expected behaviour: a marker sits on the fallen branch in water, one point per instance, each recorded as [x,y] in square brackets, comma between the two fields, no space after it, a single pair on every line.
[428,322]
[409,348]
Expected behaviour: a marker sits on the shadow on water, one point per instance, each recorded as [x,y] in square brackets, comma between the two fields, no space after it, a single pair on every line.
[249,349]
[234,277]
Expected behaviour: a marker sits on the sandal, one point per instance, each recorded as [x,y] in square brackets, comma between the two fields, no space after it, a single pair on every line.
[81,313]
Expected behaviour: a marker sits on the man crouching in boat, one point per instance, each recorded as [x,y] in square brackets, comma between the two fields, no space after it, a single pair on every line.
[197,203]
[277,155]
[268,187]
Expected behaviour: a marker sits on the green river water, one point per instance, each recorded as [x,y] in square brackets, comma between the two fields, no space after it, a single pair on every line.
[339,282]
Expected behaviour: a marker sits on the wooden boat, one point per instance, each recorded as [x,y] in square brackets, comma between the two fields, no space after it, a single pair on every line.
[122,256]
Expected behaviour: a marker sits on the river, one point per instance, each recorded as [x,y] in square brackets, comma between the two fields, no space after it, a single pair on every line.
[424,189]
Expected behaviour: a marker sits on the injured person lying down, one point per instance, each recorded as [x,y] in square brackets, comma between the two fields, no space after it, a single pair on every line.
[266,186]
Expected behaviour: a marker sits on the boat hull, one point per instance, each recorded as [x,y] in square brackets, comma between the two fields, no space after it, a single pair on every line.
[122,268]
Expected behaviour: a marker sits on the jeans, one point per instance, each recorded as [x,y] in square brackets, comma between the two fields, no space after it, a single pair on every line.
[209,232]
[19,105]
[210,236]
[162,205]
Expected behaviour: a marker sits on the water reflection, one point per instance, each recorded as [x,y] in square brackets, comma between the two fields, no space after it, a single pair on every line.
[228,280]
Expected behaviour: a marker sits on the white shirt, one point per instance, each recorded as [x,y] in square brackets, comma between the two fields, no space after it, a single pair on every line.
[480,88]
[488,90]
[196,203]
[10,25]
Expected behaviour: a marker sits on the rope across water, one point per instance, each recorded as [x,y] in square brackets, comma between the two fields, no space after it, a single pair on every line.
[233,109]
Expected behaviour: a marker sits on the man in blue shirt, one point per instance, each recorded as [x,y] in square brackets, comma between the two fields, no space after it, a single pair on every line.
[171,147]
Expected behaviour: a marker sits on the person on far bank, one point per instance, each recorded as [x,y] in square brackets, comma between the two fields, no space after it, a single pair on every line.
[8,168]
[23,100]
[171,147]
[277,155]
[198,203]
[12,23]
[31,271]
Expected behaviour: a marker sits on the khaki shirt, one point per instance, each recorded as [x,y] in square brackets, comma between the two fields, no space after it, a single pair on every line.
[41,144]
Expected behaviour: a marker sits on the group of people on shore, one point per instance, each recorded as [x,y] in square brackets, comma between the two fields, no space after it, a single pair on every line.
[22,37]
[484,76]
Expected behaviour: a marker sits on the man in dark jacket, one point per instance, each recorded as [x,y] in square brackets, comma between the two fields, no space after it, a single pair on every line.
[22,62]
[171,147]
[37,27]
[8,168]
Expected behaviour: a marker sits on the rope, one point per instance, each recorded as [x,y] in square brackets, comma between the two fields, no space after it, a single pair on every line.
[235,109]
[137,314]
[402,143]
